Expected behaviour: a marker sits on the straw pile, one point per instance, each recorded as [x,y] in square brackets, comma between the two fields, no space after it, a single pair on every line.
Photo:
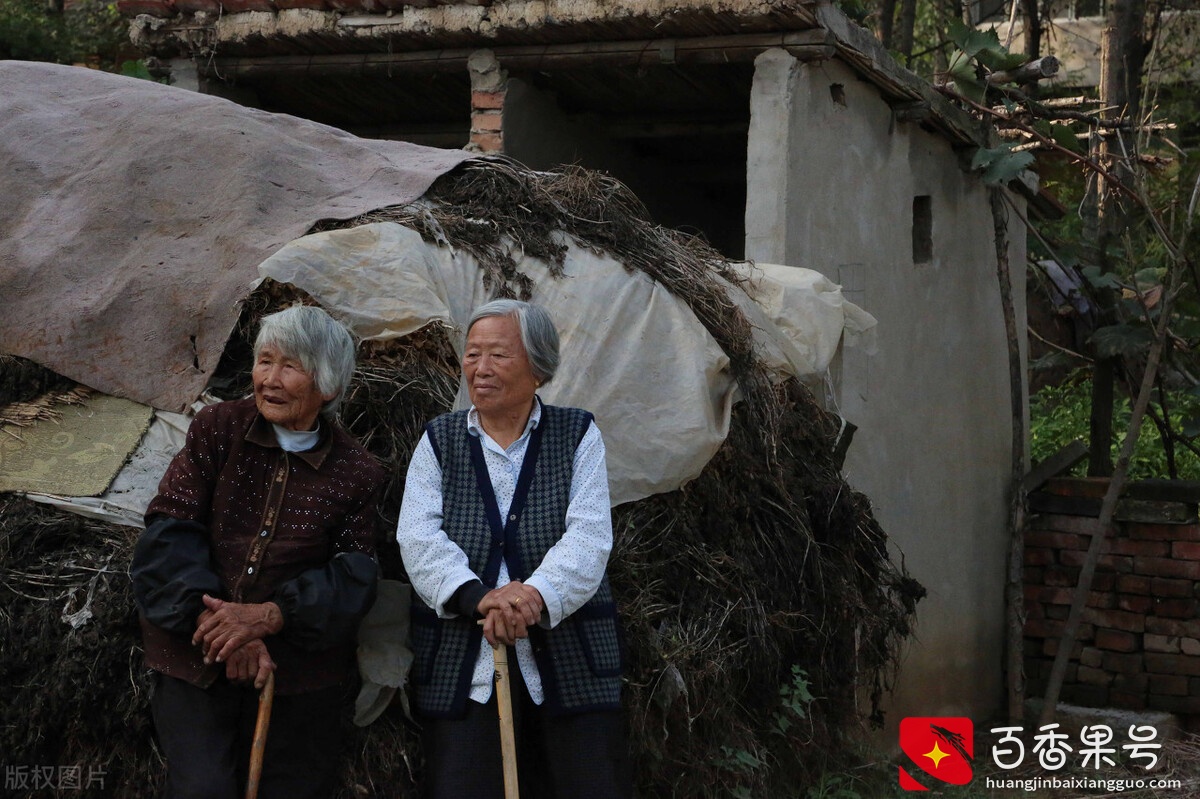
[765,580]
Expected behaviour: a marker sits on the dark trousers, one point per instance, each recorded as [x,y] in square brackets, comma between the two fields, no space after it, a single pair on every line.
[580,756]
[206,736]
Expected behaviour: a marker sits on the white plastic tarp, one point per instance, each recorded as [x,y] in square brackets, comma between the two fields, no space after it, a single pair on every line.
[631,352]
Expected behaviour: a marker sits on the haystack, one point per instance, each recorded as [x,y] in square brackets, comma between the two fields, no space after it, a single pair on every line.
[763,616]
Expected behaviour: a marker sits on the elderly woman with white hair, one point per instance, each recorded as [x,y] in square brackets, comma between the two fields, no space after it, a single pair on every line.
[505,531]
[259,557]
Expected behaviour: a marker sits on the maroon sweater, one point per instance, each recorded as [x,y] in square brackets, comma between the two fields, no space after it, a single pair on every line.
[294,528]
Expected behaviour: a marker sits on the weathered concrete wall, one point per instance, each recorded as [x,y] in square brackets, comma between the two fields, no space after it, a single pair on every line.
[831,184]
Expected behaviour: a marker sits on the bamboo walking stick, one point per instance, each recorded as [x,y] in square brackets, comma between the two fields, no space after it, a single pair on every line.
[508,739]
[266,698]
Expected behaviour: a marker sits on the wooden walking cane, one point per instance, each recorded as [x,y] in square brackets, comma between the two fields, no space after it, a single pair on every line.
[266,698]
[508,738]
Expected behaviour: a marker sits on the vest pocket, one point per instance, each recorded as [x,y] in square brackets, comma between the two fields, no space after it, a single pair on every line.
[426,637]
[599,638]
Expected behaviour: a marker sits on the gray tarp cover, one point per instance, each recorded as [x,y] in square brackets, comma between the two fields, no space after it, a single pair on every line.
[133,217]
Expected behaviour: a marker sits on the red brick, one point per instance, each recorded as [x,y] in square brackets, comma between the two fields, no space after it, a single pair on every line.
[1037,668]
[1059,612]
[1116,641]
[155,8]
[1122,564]
[1033,575]
[1169,685]
[238,6]
[1133,584]
[1134,546]
[485,121]
[1190,629]
[1116,663]
[1131,683]
[1091,656]
[1056,541]
[1125,700]
[1134,603]
[1081,525]
[1184,705]
[1168,644]
[1050,648]
[1104,581]
[1115,620]
[1061,576]
[483,100]
[1089,676]
[1094,487]
[1038,556]
[1034,610]
[1190,646]
[1167,587]
[1085,695]
[1165,532]
[1103,600]
[1189,550]
[1053,596]
[1171,664]
[192,6]
[1175,608]
[1043,628]
[1166,567]
[488,142]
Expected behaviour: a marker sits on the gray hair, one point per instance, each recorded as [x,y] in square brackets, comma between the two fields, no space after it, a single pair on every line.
[322,344]
[538,335]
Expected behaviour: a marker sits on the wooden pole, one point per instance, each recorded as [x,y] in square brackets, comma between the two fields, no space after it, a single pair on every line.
[508,739]
[266,698]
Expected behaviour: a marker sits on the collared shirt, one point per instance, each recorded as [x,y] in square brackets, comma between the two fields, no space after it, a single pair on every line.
[566,578]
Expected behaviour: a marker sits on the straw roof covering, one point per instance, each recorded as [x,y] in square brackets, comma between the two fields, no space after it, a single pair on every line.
[765,576]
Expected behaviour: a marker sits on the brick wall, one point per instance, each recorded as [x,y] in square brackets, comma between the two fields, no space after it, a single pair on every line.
[1138,646]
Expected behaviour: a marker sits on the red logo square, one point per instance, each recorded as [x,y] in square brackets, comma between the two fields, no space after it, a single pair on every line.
[941,747]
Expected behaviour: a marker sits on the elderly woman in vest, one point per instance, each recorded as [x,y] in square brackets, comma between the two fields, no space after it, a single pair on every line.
[505,531]
[258,557]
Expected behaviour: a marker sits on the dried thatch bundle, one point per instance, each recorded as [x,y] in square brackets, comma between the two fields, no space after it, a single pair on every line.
[766,573]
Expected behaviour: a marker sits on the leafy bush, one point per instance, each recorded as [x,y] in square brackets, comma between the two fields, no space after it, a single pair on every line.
[1061,414]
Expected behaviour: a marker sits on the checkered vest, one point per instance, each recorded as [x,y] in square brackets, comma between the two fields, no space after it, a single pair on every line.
[579,660]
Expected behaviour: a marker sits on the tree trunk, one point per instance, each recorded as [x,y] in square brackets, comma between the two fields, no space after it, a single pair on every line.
[1033,28]
[1014,589]
[887,19]
[1122,54]
[904,32]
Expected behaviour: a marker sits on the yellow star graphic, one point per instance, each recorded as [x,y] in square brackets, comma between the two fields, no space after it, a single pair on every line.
[936,755]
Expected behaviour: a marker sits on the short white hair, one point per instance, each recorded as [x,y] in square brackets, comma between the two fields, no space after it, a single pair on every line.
[538,334]
[322,345]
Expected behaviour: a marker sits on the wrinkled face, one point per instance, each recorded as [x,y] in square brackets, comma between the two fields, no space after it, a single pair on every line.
[499,377]
[285,393]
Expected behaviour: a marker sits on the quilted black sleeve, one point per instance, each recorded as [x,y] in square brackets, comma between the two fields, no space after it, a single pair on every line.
[171,571]
[322,607]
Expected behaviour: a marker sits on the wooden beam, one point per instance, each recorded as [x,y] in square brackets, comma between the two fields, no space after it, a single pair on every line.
[1054,465]
[805,45]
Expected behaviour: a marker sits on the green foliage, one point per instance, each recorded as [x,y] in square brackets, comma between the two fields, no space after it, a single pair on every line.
[1001,164]
[89,31]
[794,699]
[1061,414]
[834,786]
